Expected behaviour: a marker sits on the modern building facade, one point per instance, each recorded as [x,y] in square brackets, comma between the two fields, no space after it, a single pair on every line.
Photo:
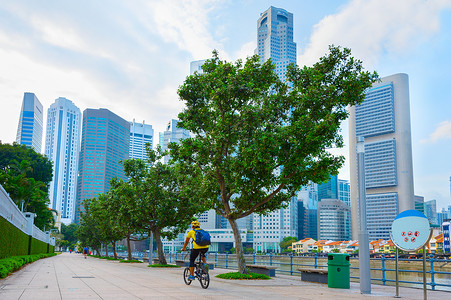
[334,220]
[383,119]
[344,191]
[105,141]
[62,146]
[29,131]
[271,229]
[196,66]
[307,211]
[141,134]
[419,203]
[275,39]
[328,189]
[430,211]
[446,237]
[173,134]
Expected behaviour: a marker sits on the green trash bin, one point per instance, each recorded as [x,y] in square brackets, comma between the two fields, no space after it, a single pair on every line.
[338,274]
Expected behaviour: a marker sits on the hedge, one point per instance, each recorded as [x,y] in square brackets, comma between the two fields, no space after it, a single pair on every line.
[37,246]
[13,241]
[13,263]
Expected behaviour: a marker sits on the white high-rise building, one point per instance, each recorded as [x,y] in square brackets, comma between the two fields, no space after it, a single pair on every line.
[383,119]
[271,229]
[29,131]
[140,135]
[275,42]
[275,39]
[62,146]
[173,134]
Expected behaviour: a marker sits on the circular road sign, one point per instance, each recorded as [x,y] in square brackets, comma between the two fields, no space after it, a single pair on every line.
[410,230]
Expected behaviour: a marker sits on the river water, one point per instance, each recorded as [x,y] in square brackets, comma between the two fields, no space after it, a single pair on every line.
[410,270]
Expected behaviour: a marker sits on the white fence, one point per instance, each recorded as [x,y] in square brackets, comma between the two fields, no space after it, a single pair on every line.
[10,211]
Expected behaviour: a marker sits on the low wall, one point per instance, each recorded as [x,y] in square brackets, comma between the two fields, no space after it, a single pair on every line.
[18,235]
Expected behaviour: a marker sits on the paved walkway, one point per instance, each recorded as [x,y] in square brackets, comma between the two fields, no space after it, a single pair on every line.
[70,276]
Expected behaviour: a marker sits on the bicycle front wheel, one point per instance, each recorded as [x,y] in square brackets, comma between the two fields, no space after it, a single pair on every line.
[204,279]
[186,274]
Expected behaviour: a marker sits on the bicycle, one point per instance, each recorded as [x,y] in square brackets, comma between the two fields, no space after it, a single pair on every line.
[199,272]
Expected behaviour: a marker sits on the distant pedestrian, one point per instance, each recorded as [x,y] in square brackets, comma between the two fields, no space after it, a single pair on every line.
[85,251]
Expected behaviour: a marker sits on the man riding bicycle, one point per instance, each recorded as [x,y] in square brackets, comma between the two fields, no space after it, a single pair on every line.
[197,250]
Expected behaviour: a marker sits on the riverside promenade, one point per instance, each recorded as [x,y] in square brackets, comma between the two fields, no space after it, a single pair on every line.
[70,276]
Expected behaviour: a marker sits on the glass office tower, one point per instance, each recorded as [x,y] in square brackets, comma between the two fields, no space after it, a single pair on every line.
[29,131]
[275,39]
[105,141]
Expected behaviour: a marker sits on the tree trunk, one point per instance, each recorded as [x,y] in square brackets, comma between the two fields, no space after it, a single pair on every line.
[129,248]
[239,247]
[98,252]
[114,249]
[161,258]
[106,249]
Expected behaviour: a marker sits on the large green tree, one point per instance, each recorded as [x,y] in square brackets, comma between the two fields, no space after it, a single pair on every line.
[28,194]
[165,194]
[41,168]
[257,140]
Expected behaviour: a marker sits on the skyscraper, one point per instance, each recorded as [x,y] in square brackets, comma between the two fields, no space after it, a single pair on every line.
[196,66]
[269,230]
[430,211]
[334,220]
[140,135]
[29,131]
[173,134]
[105,141]
[344,191]
[62,146]
[419,203]
[383,119]
[328,189]
[275,39]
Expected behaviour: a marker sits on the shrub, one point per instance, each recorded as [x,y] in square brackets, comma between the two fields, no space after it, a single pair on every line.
[239,276]
[13,263]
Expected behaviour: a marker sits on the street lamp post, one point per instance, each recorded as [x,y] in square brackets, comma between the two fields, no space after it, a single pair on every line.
[364,249]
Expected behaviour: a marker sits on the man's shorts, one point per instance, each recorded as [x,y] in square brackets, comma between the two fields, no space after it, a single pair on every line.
[194,254]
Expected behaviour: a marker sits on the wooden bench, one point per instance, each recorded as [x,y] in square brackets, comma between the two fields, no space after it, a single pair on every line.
[181,263]
[314,275]
[265,270]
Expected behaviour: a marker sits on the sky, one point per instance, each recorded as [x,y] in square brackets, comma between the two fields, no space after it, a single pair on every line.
[131,56]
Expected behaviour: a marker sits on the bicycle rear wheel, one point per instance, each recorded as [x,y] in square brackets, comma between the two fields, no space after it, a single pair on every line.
[204,279]
[186,274]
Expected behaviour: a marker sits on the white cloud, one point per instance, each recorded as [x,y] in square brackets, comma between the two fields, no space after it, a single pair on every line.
[372,27]
[184,23]
[442,132]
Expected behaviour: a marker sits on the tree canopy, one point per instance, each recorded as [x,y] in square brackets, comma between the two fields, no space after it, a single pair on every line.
[41,168]
[257,140]
[26,175]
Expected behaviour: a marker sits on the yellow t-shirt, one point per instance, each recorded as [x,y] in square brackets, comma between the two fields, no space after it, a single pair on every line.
[192,234]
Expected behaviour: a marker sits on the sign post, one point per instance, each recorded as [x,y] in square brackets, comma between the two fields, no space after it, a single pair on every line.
[411,231]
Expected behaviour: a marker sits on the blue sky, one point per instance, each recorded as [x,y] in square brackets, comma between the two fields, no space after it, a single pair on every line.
[130,57]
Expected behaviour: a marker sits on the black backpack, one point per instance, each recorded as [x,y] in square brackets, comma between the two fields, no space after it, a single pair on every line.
[202,238]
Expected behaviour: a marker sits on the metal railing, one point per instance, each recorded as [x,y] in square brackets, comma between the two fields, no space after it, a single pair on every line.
[289,264]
